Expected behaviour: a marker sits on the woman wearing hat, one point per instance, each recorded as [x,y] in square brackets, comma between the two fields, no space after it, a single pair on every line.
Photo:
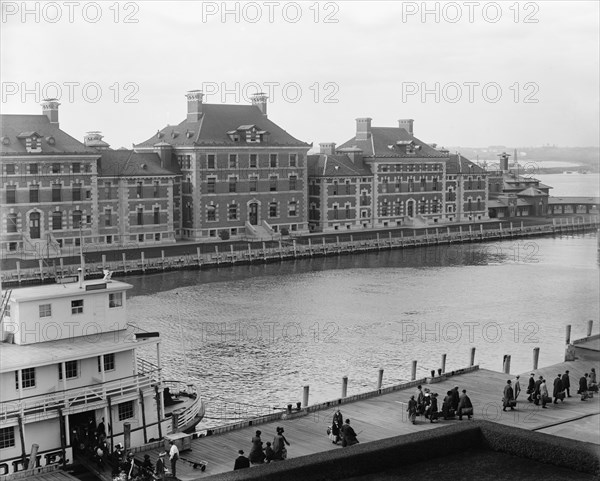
[279,443]
[257,455]
[160,466]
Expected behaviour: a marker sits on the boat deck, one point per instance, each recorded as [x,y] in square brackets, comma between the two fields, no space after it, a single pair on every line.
[384,416]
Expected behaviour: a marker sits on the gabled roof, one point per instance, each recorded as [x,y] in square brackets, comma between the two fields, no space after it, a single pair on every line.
[216,121]
[325,165]
[457,164]
[54,141]
[531,192]
[378,145]
[123,163]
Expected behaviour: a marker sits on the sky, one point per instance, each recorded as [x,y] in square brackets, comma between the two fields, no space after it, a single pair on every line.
[469,73]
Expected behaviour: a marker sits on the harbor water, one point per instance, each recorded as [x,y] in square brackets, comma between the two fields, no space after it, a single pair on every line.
[253,336]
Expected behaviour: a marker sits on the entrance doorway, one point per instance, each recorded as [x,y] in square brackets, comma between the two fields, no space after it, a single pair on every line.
[34,225]
[410,208]
[82,435]
[253,213]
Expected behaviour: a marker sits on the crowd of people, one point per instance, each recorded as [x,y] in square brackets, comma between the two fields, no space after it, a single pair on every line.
[425,403]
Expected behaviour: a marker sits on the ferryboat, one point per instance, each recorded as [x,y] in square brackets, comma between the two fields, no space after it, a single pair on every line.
[69,361]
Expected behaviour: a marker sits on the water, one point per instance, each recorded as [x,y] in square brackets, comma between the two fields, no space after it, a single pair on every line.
[572,185]
[258,334]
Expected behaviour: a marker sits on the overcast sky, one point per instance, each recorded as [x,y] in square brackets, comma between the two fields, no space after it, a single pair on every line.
[469,73]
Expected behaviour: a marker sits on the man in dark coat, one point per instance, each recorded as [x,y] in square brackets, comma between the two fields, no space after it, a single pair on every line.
[566,383]
[536,390]
[455,398]
[531,387]
[241,461]
[558,387]
[508,397]
[464,404]
[336,425]
[433,408]
[583,387]
[348,434]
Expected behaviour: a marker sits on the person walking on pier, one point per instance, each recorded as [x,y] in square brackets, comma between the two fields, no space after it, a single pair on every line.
[455,398]
[159,470]
[269,453]
[536,391]
[517,387]
[279,445]
[348,435]
[531,388]
[173,456]
[566,383]
[241,461]
[557,390]
[420,401]
[257,455]
[593,384]
[508,398]
[544,393]
[583,387]
[336,425]
[433,408]
[447,406]
[465,407]
[412,410]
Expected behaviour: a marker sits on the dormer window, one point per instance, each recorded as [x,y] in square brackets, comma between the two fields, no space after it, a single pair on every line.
[32,140]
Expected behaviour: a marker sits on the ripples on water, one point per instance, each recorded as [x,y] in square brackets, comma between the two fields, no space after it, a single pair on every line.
[257,334]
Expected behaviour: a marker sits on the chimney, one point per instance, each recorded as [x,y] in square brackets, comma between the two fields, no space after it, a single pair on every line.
[363,128]
[504,161]
[50,110]
[260,100]
[165,152]
[327,148]
[406,124]
[194,105]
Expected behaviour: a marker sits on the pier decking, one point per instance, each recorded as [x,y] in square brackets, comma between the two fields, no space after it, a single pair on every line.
[384,416]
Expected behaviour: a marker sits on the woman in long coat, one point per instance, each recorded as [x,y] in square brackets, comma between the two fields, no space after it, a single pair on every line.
[279,443]
[348,434]
[257,455]
[412,410]
[508,398]
[336,426]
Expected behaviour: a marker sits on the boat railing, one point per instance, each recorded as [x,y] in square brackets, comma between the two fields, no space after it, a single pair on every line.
[46,405]
[190,410]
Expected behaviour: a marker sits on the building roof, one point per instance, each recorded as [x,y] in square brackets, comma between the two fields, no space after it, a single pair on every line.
[216,121]
[457,164]
[15,128]
[114,163]
[384,141]
[531,192]
[574,200]
[335,166]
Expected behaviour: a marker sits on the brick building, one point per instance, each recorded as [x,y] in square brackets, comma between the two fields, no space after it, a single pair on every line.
[240,172]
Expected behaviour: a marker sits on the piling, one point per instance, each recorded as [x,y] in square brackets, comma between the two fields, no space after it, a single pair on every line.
[124,263]
[590,325]
[413,371]
[443,365]
[32,457]
[232,254]
[305,396]
[197,255]
[127,435]
[344,386]
[143,263]
[536,357]
[41,264]
[472,361]
[568,334]
[380,378]
[103,262]
[506,367]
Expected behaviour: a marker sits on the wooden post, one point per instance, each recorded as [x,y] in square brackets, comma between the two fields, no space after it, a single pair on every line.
[124,270]
[264,252]
[41,264]
[472,361]
[536,357]
[143,264]
[19,271]
[217,254]
[162,258]
[175,422]
[294,244]
[127,435]
[413,371]
[310,247]
[590,326]
[198,255]
[378,240]
[143,408]
[506,364]
[280,250]
[344,386]
[63,436]
[103,262]
[158,414]
[249,252]
[443,366]
[32,457]
[110,422]
[305,396]
[324,247]
[232,254]
[380,378]
[568,334]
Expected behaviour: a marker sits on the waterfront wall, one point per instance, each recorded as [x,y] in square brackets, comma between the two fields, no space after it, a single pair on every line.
[135,262]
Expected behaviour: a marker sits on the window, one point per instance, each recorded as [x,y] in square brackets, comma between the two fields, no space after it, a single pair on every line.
[108,190]
[233,184]
[45,310]
[115,299]
[435,183]
[107,217]
[211,213]
[11,194]
[273,183]
[34,193]
[7,437]
[76,191]
[156,215]
[233,161]
[210,186]
[210,161]
[125,410]
[109,362]
[273,209]
[232,212]
[140,216]
[292,209]
[10,169]
[469,205]
[72,369]
[273,160]
[76,219]
[33,168]
[56,220]
[77,306]
[253,161]
[156,189]
[56,168]
[253,184]
[140,189]
[28,376]
[293,160]
[335,212]
[56,193]
[293,179]
[411,185]
[76,167]
[423,184]
[11,223]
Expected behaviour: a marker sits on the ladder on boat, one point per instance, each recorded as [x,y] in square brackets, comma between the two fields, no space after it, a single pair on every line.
[4,305]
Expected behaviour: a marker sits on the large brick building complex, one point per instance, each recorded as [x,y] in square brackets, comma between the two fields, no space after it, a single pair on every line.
[240,172]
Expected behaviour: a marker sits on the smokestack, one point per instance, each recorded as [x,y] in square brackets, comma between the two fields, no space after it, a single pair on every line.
[406,124]
[50,110]
[327,148]
[194,105]
[504,161]
[363,128]
[260,100]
